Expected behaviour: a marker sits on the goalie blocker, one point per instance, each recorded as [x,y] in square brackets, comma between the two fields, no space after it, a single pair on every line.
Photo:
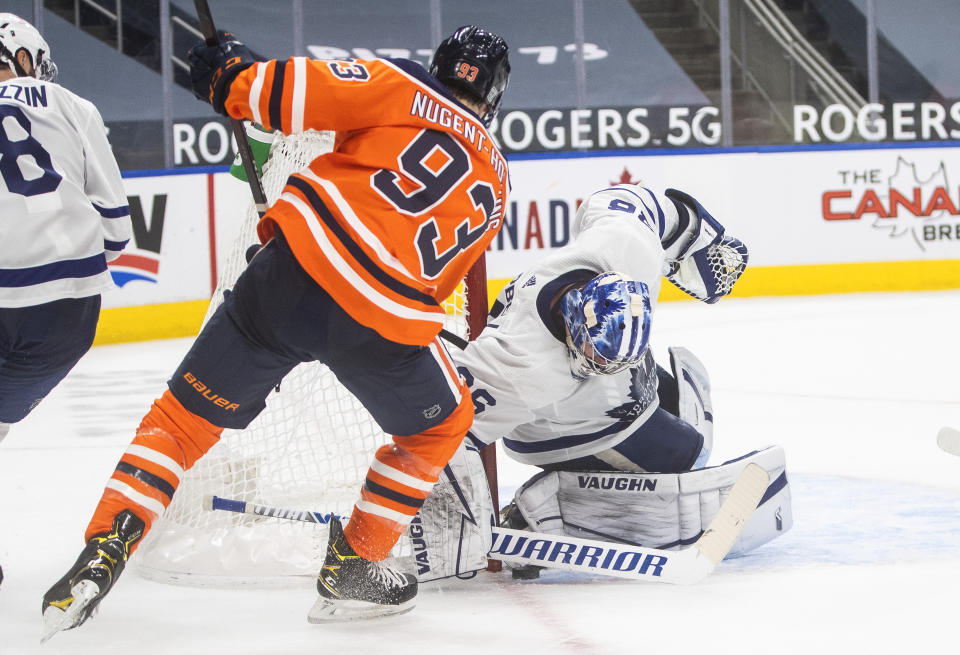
[452,535]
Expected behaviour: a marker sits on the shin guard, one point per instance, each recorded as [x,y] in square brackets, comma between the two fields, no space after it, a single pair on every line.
[169,440]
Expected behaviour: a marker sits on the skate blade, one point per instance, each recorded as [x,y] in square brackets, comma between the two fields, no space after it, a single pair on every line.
[339,611]
[56,619]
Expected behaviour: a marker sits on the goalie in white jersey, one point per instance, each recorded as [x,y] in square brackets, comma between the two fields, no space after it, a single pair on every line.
[563,373]
[63,216]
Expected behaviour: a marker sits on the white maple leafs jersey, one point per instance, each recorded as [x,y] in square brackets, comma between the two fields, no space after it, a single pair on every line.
[518,369]
[63,210]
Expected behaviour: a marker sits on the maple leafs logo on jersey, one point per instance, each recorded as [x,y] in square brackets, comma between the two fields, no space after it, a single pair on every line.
[531,281]
[627,412]
[643,389]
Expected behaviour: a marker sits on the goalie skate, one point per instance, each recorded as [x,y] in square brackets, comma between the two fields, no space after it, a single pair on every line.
[353,588]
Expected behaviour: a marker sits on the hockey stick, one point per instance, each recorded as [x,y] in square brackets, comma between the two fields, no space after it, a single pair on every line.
[243,507]
[246,154]
[949,440]
[685,566]
[455,339]
[239,133]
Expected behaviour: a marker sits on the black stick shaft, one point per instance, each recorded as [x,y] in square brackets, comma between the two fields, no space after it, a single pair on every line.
[239,133]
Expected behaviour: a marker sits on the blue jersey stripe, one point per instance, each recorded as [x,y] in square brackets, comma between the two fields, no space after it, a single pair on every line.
[571,441]
[72,268]
[276,95]
[115,245]
[112,212]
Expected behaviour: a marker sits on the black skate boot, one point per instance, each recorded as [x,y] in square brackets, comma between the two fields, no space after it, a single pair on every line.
[510,517]
[352,587]
[75,597]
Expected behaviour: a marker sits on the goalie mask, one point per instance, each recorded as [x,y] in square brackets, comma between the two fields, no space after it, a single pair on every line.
[474,61]
[607,324]
[16,33]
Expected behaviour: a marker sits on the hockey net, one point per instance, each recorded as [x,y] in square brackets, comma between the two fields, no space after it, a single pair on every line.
[308,450]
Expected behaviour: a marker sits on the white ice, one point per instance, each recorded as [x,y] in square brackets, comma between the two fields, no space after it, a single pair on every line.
[855,387]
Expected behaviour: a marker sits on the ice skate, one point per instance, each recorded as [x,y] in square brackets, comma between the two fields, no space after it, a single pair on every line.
[75,597]
[352,587]
[510,517]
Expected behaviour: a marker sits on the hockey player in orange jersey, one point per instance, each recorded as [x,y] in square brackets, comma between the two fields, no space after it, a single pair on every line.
[359,251]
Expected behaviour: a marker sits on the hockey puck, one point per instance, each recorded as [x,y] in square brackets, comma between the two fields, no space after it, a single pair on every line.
[528,572]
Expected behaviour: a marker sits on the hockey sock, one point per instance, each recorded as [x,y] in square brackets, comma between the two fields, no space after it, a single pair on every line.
[169,440]
[399,480]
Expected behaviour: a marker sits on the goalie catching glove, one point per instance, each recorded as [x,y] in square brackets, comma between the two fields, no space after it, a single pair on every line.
[701,260]
[213,69]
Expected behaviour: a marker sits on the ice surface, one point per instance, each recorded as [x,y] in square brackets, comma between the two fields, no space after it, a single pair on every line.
[855,387]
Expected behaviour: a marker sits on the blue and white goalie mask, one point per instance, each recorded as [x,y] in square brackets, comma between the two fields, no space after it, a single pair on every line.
[607,323]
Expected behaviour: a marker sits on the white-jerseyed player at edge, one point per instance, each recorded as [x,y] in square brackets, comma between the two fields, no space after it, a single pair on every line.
[564,375]
[63,216]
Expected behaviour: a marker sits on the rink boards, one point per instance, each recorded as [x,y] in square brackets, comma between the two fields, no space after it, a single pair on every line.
[837,219]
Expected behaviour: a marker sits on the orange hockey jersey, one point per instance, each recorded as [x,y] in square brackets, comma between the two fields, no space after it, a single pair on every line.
[412,193]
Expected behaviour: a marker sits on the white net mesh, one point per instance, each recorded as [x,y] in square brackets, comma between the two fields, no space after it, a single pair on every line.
[727,261]
[308,450]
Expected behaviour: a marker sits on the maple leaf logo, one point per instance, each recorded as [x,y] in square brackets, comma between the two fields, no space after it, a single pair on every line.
[643,389]
[904,179]
[625,178]
[631,410]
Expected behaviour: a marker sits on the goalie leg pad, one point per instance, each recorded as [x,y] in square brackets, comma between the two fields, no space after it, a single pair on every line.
[451,532]
[710,486]
[695,404]
[665,511]
[667,391]
[538,500]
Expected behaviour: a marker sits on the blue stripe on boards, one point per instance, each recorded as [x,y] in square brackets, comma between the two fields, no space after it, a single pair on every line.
[120,278]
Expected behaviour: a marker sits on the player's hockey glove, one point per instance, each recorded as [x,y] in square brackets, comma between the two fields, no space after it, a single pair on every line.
[213,69]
